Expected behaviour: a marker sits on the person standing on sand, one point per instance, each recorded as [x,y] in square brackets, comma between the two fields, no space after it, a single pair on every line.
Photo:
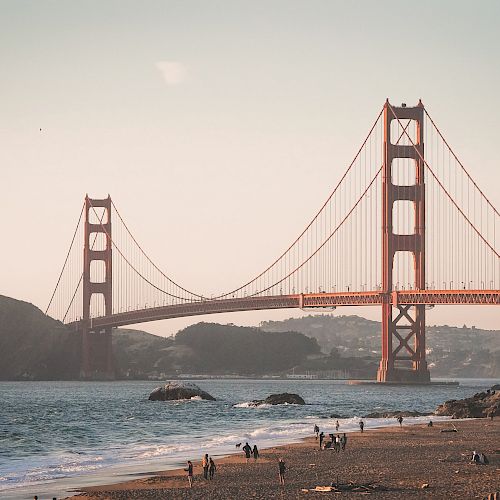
[255,452]
[361,425]
[282,469]
[321,436]
[337,425]
[400,420]
[211,468]
[189,470]
[343,441]
[316,431]
[204,464]
[247,449]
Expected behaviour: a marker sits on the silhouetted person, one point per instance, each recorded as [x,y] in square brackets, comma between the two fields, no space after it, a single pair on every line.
[247,451]
[255,452]
[343,441]
[211,468]
[282,469]
[400,420]
[321,437]
[337,425]
[361,425]
[337,443]
[430,424]
[204,464]
[189,470]
[316,431]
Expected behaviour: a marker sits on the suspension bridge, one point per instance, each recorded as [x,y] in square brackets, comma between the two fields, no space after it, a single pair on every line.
[406,228]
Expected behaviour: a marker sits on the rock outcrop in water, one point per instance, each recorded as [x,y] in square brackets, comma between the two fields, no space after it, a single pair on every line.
[482,404]
[284,398]
[391,414]
[279,399]
[179,390]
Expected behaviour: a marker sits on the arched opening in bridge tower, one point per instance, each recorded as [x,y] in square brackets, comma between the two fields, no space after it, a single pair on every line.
[398,132]
[98,241]
[403,172]
[97,271]
[403,217]
[97,215]
[97,305]
[403,271]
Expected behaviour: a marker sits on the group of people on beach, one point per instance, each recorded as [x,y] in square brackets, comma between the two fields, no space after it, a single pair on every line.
[337,442]
[249,452]
[208,466]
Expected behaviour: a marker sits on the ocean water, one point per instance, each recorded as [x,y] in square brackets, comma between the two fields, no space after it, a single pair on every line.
[56,436]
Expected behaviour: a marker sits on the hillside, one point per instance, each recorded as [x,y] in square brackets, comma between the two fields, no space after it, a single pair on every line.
[451,351]
[34,346]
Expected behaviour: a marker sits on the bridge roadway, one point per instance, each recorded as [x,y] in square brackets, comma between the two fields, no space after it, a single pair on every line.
[297,301]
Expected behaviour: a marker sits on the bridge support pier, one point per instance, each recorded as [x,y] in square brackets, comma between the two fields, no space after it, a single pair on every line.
[401,361]
[97,352]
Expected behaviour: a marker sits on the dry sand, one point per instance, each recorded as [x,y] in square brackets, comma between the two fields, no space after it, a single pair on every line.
[397,461]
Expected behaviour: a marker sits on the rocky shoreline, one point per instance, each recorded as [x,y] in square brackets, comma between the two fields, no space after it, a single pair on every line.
[481,405]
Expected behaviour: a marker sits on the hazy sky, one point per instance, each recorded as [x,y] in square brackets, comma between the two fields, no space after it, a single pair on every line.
[220,127]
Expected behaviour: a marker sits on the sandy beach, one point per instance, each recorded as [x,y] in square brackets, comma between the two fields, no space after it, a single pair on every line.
[393,463]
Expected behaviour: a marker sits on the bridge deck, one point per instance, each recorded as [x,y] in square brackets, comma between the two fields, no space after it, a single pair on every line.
[297,301]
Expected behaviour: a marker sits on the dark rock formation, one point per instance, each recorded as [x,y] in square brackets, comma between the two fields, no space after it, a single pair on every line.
[482,404]
[285,398]
[279,399]
[496,387]
[391,414]
[335,415]
[179,390]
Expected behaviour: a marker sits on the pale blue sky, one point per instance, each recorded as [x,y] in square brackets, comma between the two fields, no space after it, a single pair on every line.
[265,105]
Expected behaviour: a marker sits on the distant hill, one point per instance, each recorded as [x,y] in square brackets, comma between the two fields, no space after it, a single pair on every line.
[451,351]
[235,349]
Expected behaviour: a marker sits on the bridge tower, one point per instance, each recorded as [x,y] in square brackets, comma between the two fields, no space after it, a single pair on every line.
[97,355]
[403,327]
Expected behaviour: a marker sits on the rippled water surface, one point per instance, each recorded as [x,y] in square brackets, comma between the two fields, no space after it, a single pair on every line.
[58,435]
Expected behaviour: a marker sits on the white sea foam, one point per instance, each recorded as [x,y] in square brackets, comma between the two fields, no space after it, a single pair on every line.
[252,404]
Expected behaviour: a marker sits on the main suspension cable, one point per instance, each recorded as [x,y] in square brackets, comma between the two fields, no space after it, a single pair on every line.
[66,259]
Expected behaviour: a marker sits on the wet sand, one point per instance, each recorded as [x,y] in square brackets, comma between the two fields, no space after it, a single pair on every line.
[396,462]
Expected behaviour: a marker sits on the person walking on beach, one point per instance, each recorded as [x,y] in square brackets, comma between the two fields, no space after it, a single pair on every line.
[255,452]
[204,464]
[337,443]
[321,436]
[400,420]
[316,431]
[247,449]
[343,441]
[361,425]
[211,468]
[189,470]
[282,469]
[337,425]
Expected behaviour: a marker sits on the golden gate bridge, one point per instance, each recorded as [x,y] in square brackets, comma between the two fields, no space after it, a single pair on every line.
[405,228]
